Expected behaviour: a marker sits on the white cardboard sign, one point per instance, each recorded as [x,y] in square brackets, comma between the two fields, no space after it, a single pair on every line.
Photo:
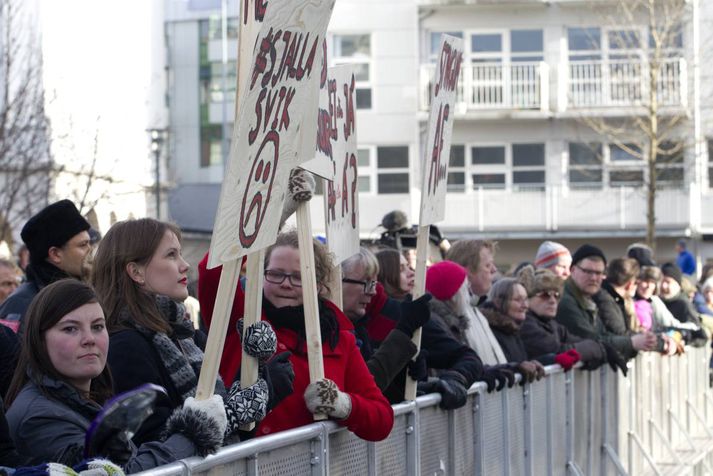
[336,140]
[266,140]
[434,173]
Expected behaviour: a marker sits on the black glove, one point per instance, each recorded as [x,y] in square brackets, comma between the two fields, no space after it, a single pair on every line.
[280,376]
[414,314]
[116,448]
[616,361]
[453,393]
[496,377]
[418,369]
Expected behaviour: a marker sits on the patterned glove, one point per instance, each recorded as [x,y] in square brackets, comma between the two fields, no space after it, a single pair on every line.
[323,396]
[259,340]
[246,406]
[300,188]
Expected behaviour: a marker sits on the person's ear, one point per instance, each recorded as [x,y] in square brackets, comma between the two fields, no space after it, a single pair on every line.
[54,255]
[136,273]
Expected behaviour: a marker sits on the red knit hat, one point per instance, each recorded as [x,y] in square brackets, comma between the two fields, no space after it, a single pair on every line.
[444,278]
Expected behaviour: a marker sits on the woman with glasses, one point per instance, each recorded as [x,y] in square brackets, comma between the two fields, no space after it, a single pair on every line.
[542,334]
[348,393]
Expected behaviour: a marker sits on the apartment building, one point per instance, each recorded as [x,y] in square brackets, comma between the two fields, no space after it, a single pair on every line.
[526,163]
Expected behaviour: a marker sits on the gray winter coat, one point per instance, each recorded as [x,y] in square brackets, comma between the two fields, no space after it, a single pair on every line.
[46,429]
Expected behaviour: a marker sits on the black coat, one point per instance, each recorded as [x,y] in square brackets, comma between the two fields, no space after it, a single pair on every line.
[542,336]
[8,454]
[507,332]
[9,351]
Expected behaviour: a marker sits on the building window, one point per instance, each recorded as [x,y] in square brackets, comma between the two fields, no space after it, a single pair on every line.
[585,165]
[528,165]
[488,166]
[211,140]
[356,50]
[365,166]
[456,169]
[392,169]
[669,164]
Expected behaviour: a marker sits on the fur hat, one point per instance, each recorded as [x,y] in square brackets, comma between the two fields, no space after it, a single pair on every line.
[444,279]
[548,254]
[536,281]
[672,271]
[641,253]
[587,251]
[54,225]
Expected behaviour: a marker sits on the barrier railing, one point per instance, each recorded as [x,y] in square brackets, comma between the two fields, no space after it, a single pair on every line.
[657,420]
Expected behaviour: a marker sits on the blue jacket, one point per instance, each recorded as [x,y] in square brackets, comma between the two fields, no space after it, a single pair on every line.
[686,262]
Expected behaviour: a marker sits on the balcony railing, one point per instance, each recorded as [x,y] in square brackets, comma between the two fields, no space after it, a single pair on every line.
[616,83]
[515,86]
[525,86]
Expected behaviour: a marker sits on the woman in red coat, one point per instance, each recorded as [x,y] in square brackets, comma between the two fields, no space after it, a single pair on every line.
[348,394]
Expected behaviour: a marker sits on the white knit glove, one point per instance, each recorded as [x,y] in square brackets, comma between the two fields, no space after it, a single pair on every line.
[323,396]
[300,188]
[213,408]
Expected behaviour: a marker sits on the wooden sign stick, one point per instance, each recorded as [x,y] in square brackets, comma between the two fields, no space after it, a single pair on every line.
[335,287]
[418,290]
[218,330]
[309,296]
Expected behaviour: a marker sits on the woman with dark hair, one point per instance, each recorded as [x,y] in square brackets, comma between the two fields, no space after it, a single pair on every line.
[141,279]
[395,274]
[65,381]
[348,393]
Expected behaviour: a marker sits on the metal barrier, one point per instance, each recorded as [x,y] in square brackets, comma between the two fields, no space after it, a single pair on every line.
[658,420]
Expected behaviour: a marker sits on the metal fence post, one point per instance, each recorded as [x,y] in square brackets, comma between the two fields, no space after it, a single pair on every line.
[528,428]
[413,450]
[319,449]
[478,440]
[506,431]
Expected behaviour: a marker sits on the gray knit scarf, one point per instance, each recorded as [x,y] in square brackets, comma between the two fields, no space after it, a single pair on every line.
[180,356]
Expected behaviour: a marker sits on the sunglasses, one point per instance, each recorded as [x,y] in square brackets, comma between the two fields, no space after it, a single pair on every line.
[548,294]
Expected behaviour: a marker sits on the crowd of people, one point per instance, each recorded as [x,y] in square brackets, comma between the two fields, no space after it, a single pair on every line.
[96,318]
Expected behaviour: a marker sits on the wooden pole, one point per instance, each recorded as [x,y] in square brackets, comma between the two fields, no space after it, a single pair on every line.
[218,330]
[309,296]
[418,290]
[335,287]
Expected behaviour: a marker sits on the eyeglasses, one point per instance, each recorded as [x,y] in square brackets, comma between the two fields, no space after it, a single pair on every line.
[278,277]
[369,286]
[592,273]
[548,294]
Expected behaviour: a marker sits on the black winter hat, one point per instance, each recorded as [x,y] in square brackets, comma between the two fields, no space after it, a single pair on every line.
[641,253]
[587,251]
[54,225]
[672,271]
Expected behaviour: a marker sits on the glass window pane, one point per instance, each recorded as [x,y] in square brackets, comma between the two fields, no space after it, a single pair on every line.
[486,43]
[583,39]
[436,39]
[626,177]
[669,37]
[352,45]
[534,177]
[618,154]
[361,71]
[489,180]
[525,40]
[528,154]
[671,174]
[579,176]
[393,183]
[389,157]
[623,39]
[363,156]
[457,156]
[488,155]
[673,158]
[585,154]
[363,98]
[710,177]
[456,182]
[364,183]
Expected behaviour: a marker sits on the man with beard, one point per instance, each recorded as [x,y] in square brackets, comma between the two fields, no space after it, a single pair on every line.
[59,244]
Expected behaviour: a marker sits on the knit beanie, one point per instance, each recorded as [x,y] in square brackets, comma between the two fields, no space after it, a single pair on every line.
[54,225]
[587,251]
[672,271]
[444,279]
[548,254]
[641,253]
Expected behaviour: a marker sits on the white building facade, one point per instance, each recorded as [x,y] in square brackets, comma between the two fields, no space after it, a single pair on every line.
[525,165]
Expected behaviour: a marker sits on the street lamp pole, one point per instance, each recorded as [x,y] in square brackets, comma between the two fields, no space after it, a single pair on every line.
[157,138]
